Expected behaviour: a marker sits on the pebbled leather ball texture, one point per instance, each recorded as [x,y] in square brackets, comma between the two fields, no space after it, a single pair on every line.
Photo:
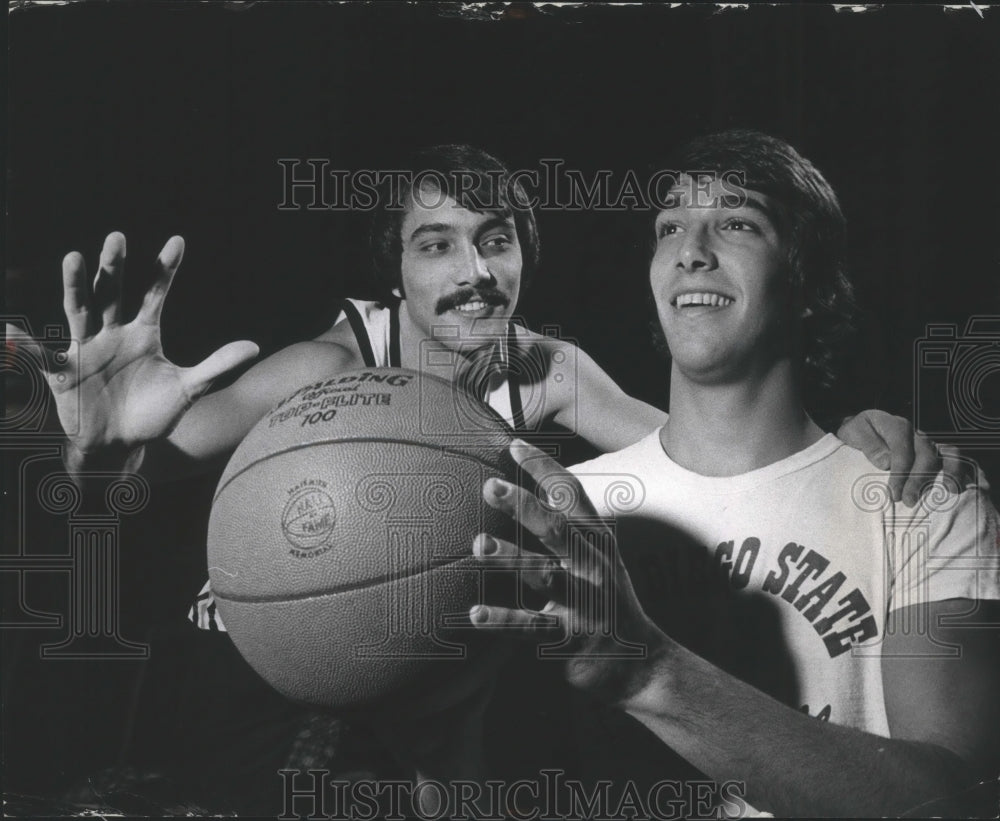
[339,543]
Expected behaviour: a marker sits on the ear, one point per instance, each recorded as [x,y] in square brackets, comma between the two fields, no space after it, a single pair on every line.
[397,292]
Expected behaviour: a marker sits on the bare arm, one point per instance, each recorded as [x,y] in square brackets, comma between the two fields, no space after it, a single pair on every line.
[213,427]
[942,718]
[594,407]
[125,406]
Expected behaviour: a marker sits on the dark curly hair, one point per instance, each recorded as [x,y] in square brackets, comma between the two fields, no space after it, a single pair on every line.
[813,225]
[476,180]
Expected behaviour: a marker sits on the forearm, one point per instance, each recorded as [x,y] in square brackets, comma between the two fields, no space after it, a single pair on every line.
[167,461]
[159,461]
[791,764]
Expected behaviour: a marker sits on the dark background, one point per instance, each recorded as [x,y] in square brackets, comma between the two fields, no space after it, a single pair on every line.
[170,118]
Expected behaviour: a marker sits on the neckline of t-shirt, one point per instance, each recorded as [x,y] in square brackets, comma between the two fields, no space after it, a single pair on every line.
[820,449]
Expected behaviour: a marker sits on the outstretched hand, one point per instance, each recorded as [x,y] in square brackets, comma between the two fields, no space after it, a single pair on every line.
[593,618]
[114,389]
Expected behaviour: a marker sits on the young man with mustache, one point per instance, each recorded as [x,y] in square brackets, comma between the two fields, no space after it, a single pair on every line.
[451,272]
[808,677]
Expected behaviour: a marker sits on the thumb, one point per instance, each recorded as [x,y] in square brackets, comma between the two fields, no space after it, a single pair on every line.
[199,378]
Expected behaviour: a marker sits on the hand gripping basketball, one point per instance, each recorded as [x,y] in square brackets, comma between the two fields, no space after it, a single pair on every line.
[609,647]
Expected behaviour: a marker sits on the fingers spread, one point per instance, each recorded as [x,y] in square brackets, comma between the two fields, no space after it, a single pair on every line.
[172,253]
[578,545]
[533,460]
[563,494]
[75,294]
[167,264]
[560,489]
[548,526]
[525,623]
[199,378]
[541,573]
[108,282]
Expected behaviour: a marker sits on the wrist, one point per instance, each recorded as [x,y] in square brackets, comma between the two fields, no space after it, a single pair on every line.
[110,459]
[652,685]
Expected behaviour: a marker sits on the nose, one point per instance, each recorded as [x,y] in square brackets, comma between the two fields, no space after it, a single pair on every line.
[475,270]
[695,253]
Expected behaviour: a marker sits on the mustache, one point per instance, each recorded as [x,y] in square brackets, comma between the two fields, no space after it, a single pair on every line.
[491,296]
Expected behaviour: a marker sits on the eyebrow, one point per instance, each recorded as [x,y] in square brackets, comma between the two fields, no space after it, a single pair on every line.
[430,228]
[445,228]
[496,221]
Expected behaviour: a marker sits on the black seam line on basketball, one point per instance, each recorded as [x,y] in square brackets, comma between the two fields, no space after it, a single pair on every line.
[364,439]
[347,588]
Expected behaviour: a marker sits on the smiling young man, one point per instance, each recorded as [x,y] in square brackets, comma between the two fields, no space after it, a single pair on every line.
[451,261]
[792,629]
[453,247]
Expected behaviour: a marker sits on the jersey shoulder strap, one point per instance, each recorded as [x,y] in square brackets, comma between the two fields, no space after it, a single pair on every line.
[395,359]
[353,315]
[376,331]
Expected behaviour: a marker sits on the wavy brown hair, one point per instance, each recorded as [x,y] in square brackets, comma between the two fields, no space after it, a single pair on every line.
[815,231]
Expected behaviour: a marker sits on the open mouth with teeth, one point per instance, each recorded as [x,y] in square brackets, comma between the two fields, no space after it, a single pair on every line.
[471,306]
[701,299]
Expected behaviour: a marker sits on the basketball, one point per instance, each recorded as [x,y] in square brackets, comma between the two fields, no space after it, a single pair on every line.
[340,538]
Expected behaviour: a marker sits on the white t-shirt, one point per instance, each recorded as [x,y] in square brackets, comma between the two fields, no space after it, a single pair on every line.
[784,576]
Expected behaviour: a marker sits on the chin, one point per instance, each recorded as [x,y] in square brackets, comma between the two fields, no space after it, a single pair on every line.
[699,355]
[707,367]
[491,326]
[467,339]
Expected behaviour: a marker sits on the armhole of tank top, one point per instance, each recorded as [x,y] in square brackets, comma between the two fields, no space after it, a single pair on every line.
[360,332]
[516,409]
